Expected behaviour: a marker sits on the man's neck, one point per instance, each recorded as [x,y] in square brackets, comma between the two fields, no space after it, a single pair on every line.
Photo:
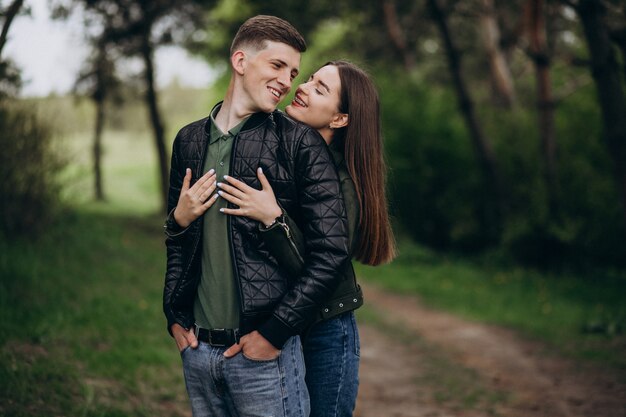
[232,112]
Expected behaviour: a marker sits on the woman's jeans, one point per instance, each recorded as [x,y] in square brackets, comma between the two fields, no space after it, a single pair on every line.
[331,355]
[242,387]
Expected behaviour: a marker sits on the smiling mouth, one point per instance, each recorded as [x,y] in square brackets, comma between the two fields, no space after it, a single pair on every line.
[274,92]
[297,100]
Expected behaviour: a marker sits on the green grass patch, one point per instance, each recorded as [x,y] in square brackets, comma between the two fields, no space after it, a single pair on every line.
[582,314]
[82,330]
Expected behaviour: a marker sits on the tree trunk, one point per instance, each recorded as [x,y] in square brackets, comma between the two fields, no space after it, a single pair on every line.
[538,51]
[494,194]
[397,36]
[619,37]
[606,74]
[11,12]
[97,149]
[155,117]
[501,79]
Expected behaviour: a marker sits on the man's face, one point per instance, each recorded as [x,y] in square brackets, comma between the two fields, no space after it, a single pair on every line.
[268,74]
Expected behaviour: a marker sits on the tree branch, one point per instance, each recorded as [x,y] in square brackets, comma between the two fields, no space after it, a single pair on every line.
[395,34]
[11,12]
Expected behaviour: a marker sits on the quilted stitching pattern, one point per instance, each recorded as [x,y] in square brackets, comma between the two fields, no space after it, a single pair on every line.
[301,171]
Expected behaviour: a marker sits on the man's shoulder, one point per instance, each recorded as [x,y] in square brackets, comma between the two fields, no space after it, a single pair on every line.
[293,130]
[192,129]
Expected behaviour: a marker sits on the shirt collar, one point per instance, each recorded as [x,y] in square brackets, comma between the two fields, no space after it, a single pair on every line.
[217,133]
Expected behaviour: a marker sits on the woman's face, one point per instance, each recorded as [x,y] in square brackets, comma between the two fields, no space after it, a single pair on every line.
[316,102]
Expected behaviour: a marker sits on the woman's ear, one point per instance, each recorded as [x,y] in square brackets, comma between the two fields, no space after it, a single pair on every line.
[339,120]
[238,62]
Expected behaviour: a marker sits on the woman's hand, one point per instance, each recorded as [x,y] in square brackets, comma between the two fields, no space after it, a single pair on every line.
[256,204]
[194,201]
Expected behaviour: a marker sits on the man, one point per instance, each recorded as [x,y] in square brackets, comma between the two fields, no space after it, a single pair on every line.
[234,313]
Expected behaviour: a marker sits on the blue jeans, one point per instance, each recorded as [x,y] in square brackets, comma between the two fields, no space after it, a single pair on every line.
[331,354]
[242,387]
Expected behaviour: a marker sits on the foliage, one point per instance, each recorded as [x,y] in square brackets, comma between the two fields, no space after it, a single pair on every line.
[422,139]
[29,168]
[437,189]
[10,79]
[590,226]
[435,181]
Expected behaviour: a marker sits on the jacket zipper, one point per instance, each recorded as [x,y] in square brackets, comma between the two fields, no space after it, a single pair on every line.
[229,227]
[287,230]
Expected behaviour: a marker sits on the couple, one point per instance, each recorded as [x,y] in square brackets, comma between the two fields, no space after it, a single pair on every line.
[265,260]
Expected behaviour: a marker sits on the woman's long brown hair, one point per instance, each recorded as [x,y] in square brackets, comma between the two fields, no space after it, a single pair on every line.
[364,155]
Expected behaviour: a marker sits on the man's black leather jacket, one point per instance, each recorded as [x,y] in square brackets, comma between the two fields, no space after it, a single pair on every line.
[296,161]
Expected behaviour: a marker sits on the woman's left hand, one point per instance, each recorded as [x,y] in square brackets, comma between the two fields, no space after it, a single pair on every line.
[256,204]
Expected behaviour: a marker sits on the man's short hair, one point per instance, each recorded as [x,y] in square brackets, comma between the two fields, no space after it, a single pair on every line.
[257,30]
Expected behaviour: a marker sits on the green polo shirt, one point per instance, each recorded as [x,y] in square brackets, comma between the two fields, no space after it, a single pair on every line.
[217,302]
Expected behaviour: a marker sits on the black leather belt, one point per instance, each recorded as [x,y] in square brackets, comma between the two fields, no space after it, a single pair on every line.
[217,337]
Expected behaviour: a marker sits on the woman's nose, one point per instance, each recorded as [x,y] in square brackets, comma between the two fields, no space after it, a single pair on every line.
[305,88]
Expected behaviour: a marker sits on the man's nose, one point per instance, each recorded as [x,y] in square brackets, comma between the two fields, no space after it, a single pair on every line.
[284,79]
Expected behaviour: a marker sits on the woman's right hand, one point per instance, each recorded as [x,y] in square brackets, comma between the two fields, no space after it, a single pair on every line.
[194,201]
[260,205]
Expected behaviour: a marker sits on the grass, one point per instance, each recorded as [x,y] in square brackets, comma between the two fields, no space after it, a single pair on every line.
[82,330]
[582,315]
[83,333]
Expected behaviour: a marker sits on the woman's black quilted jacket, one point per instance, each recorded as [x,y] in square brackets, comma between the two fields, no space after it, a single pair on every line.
[300,168]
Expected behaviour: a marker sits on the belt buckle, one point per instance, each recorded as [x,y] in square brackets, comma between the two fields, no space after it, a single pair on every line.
[196,331]
[216,332]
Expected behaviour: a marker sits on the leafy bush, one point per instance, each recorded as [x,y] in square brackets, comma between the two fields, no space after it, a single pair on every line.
[436,188]
[29,169]
[434,178]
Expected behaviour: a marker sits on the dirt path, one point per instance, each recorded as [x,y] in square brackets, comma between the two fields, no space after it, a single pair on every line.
[454,367]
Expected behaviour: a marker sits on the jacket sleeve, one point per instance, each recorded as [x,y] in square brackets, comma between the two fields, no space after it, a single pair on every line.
[286,242]
[325,228]
[173,241]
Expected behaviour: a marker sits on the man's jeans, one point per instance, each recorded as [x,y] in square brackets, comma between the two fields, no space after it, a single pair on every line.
[331,354]
[242,387]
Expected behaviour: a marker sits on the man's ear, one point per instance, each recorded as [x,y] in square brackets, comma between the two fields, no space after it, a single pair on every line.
[340,120]
[238,61]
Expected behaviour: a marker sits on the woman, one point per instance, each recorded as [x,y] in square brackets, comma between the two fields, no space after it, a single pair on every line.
[341,103]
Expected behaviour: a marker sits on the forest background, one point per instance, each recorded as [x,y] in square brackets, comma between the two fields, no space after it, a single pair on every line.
[503,121]
[504,126]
